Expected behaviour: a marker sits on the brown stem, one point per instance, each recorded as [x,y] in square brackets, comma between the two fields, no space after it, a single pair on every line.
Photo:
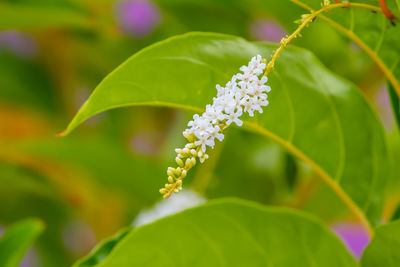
[385,9]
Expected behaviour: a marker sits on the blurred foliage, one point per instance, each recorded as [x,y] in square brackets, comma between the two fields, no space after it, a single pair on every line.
[91,184]
[16,241]
[377,252]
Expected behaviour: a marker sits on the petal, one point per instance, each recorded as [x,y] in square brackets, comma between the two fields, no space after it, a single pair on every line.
[238,122]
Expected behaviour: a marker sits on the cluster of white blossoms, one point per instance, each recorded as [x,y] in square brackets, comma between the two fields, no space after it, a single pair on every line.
[245,92]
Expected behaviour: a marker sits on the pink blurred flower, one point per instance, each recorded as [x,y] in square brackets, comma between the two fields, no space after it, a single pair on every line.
[78,237]
[384,107]
[19,43]
[30,259]
[266,30]
[137,18]
[353,235]
[142,143]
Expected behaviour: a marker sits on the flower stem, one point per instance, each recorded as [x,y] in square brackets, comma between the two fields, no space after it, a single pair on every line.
[385,9]
[306,20]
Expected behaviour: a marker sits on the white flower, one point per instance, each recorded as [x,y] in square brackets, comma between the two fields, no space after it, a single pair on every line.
[204,140]
[249,107]
[245,92]
[215,133]
[225,103]
[234,117]
[194,122]
[220,90]
[213,115]
[261,84]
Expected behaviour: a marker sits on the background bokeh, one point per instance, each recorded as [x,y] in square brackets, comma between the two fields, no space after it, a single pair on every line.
[87,186]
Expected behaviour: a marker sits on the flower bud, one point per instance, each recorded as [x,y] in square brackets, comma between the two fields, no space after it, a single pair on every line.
[170,179]
[170,171]
[178,171]
[163,191]
[190,145]
[179,161]
[188,163]
[184,172]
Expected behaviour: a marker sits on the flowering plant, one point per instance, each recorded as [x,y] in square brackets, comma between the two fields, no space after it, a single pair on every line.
[303,178]
[245,92]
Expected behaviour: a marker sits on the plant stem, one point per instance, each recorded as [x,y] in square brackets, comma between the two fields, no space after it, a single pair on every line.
[306,20]
[385,69]
[385,9]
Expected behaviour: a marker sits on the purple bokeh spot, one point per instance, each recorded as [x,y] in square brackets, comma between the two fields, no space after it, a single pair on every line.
[19,43]
[384,107]
[353,235]
[266,30]
[141,143]
[137,18]
[30,259]
[78,237]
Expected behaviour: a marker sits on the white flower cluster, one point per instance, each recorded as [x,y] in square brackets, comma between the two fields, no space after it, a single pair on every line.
[245,92]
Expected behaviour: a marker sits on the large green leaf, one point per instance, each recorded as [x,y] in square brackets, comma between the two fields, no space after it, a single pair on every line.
[320,118]
[16,241]
[384,248]
[231,233]
[370,29]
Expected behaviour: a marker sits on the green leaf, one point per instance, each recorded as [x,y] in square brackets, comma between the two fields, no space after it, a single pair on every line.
[396,214]
[394,100]
[398,4]
[231,233]
[21,17]
[318,117]
[371,30]
[16,241]
[384,247]
[102,250]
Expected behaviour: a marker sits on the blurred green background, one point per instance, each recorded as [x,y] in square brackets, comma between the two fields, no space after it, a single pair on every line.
[88,185]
